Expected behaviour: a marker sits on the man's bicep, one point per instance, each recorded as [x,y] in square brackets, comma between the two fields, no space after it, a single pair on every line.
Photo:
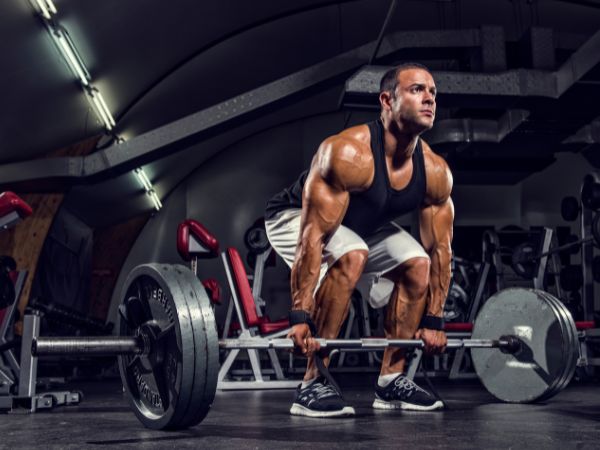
[324,206]
[436,223]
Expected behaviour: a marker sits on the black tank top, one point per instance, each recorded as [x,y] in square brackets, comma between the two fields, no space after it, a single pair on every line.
[379,204]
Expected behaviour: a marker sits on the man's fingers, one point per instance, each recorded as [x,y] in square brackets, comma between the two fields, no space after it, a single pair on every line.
[434,341]
[300,343]
[312,346]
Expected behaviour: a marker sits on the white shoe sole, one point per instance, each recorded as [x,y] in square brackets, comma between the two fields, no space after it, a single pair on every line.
[382,404]
[299,410]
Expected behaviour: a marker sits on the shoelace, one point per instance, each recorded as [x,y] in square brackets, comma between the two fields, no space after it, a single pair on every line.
[324,390]
[406,384]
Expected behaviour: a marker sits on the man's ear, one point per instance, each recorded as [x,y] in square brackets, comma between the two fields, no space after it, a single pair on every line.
[385,99]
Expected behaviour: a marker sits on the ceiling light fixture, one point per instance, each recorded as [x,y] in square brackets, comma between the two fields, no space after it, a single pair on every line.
[46,8]
[100,106]
[67,49]
[155,200]
[148,188]
[143,179]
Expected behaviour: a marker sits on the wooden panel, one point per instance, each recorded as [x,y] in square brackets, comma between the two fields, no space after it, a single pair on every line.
[111,247]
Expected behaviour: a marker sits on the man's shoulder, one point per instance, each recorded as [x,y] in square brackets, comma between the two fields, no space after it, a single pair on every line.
[347,157]
[439,176]
[355,140]
[434,162]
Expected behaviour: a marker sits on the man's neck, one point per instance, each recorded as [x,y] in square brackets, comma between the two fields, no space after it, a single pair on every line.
[399,146]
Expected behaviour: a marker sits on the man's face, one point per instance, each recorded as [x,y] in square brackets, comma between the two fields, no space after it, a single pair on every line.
[412,108]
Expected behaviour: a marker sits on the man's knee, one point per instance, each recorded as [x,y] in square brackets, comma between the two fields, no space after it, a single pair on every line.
[351,265]
[415,276]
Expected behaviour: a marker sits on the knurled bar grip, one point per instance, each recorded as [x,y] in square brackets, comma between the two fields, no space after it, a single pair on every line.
[99,345]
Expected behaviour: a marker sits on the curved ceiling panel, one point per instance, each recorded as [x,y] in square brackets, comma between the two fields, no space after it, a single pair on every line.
[231,46]
[237,65]
[42,107]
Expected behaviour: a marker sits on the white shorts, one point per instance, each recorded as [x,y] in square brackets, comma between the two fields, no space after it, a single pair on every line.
[388,247]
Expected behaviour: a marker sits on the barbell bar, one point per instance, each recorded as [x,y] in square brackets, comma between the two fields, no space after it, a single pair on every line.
[507,343]
[523,346]
[114,345]
[525,254]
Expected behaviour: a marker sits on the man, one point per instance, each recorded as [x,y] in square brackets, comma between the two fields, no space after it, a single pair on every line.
[333,228]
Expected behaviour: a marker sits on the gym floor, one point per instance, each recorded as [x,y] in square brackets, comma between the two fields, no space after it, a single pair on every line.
[260,419]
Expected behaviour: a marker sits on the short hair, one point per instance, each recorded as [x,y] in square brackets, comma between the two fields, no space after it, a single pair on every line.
[390,78]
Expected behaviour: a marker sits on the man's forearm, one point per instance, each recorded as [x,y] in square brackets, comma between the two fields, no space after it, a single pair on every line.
[305,276]
[439,279]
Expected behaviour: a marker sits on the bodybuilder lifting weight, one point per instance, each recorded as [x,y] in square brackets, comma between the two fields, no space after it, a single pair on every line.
[334,228]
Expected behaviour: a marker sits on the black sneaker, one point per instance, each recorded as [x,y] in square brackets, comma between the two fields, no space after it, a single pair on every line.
[403,393]
[320,399]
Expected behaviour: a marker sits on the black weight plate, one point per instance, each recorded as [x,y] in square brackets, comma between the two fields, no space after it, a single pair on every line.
[256,239]
[569,208]
[455,306]
[533,371]
[590,193]
[522,260]
[159,395]
[206,344]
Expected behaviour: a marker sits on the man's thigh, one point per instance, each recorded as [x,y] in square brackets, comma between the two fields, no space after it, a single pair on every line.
[283,231]
[389,247]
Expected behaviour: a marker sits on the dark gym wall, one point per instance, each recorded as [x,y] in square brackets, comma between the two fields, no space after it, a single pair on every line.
[229,192]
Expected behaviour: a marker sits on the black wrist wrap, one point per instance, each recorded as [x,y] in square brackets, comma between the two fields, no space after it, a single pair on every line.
[432,323]
[298,316]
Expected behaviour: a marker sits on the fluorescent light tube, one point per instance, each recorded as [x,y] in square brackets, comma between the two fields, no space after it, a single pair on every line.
[155,200]
[100,109]
[69,54]
[41,4]
[51,6]
[143,179]
[107,113]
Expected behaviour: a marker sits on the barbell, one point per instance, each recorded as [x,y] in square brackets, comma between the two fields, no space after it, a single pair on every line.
[523,346]
[524,256]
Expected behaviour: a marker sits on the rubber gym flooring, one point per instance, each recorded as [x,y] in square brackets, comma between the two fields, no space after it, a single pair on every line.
[260,419]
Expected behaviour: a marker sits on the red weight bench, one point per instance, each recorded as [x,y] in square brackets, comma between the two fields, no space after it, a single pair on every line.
[195,241]
[251,324]
[12,209]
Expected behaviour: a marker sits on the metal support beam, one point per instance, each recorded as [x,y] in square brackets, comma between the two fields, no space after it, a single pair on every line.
[474,130]
[190,130]
[364,85]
